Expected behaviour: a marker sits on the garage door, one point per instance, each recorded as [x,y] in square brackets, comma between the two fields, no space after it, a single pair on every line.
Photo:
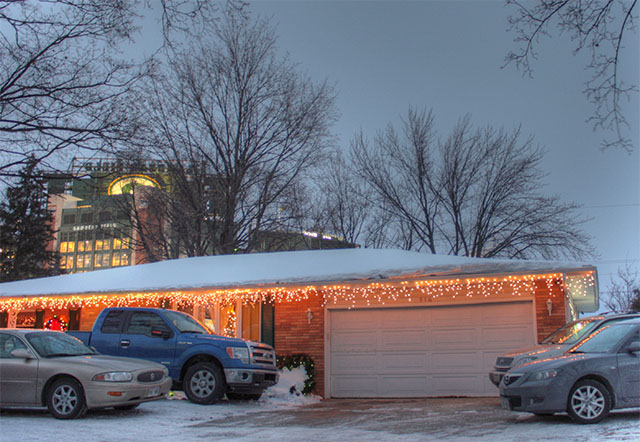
[423,351]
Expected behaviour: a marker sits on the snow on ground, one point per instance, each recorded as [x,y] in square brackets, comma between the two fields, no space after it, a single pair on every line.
[281,415]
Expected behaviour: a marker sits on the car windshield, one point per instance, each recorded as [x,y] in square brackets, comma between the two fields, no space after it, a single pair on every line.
[186,323]
[57,344]
[571,333]
[604,340]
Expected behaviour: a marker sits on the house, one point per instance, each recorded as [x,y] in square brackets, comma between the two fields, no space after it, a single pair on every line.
[378,323]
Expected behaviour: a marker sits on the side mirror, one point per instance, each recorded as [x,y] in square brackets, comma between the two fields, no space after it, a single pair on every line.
[160,333]
[634,347]
[22,353]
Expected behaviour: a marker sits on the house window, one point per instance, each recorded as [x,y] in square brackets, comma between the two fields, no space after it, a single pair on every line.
[251,322]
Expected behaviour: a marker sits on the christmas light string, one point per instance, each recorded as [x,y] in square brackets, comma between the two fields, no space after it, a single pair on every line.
[369,293]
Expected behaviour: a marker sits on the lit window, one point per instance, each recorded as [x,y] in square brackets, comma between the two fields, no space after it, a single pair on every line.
[117,243]
[63,247]
[98,244]
[87,260]
[124,259]
[69,263]
[115,262]
[79,262]
[97,260]
[105,260]
[71,247]
[106,245]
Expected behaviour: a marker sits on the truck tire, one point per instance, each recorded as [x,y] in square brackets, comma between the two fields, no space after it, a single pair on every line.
[65,399]
[243,396]
[204,383]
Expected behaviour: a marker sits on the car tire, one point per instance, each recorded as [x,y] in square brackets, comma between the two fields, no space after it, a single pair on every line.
[244,396]
[204,383]
[126,407]
[65,399]
[589,402]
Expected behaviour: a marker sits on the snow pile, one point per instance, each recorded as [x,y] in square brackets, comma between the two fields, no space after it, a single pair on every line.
[289,388]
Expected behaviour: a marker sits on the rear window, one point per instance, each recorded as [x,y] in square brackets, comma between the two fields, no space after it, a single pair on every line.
[112,322]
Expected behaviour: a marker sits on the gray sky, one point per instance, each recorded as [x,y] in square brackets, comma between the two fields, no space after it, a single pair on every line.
[384,56]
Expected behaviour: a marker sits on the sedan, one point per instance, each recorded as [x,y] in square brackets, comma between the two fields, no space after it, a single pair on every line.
[56,370]
[600,373]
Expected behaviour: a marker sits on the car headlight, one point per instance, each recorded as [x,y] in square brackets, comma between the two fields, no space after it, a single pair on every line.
[241,353]
[543,375]
[114,376]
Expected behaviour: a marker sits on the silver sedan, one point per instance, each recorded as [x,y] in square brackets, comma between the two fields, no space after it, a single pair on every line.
[53,369]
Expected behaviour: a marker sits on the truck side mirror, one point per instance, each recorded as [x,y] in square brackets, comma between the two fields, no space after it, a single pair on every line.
[160,333]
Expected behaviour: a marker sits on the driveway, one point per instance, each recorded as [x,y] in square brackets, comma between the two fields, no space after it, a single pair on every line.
[458,419]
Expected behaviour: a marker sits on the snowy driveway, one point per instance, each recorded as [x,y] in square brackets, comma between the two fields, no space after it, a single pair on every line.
[330,420]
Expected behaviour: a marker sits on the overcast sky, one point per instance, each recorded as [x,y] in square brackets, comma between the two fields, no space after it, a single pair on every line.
[384,56]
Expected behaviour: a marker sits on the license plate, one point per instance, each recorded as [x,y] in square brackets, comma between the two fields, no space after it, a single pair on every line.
[155,391]
[505,403]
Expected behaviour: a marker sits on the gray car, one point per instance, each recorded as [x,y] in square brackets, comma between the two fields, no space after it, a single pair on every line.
[53,369]
[600,373]
[556,343]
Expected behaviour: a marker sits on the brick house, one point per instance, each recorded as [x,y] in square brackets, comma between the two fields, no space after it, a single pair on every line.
[377,323]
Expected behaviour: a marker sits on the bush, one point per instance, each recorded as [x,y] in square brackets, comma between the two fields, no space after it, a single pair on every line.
[296,360]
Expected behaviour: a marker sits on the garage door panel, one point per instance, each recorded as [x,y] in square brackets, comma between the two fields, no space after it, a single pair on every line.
[355,386]
[403,339]
[455,362]
[501,337]
[354,363]
[354,342]
[402,386]
[444,338]
[399,362]
[456,385]
[433,351]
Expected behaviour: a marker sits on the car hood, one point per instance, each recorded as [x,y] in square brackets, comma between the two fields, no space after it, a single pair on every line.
[222,340]
[109,363]
[557,362]
[538,349]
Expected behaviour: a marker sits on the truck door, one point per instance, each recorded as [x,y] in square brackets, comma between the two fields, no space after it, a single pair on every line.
[106,340]
[138,341]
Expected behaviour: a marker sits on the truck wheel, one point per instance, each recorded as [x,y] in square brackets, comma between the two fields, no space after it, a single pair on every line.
[243,396]
[65,399]
[589,402]
[204,383]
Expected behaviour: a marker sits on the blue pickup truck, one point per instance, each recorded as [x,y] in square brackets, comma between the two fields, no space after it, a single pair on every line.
[204,365]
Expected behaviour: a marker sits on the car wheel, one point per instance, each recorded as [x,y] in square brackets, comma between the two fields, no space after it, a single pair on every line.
[126,407]
[65,399]
[204,383]
[589,402]
[244,396]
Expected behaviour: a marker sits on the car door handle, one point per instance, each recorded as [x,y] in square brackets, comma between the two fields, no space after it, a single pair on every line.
[124,343]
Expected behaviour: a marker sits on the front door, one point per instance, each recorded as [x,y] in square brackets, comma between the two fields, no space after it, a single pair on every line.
[629,371]
[136,340]
[18,376]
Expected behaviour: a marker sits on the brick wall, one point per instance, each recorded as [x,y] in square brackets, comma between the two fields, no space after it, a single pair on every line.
[548,323]
[294,334]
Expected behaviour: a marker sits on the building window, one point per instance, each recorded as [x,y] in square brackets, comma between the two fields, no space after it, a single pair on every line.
[251,322]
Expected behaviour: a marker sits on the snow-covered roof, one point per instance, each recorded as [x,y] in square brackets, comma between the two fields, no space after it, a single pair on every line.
[268,269]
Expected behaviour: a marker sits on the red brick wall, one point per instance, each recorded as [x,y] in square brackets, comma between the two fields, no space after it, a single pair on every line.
[548,323]
[294,334]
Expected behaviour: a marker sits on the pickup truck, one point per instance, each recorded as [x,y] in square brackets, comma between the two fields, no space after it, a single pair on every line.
[204,365]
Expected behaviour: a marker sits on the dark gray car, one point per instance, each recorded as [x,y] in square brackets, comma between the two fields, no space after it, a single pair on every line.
[600,373]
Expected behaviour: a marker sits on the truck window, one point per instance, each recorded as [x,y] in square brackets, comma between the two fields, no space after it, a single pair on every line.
[141,323]
[112,322]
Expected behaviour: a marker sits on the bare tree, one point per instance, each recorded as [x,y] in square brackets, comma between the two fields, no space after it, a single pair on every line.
[477,193]
[600,27]
[228,102]
[61,87]
[624,290]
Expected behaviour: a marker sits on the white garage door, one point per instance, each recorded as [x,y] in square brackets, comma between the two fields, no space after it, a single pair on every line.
[423,351]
